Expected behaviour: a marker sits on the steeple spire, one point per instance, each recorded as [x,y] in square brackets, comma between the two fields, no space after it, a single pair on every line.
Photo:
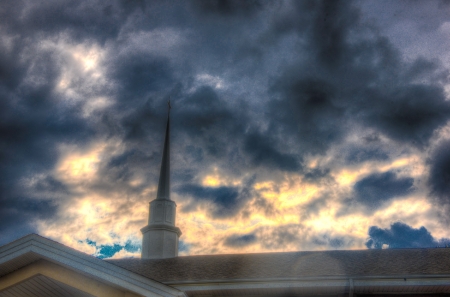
[160,236]
[164,175]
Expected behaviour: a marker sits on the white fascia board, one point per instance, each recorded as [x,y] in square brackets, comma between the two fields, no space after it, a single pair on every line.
[12,246]
[316,278]
[340,285]
[72,258]
[14,253]
[405,281]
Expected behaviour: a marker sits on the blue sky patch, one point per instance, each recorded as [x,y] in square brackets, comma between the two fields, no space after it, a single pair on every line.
[104,251]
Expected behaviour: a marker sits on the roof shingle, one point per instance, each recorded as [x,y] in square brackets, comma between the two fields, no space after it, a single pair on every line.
[389,262]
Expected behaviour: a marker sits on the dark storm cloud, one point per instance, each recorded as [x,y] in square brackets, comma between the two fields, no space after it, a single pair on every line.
[79,19]
[240,240]
[318,69]
[34,119]
[400,235]
[308,110]
[204,112]
[51,186]
[225,197]
[203,123]
[354,77]
[360,155]
[316,175]
[17,215]
[377,188]
[372,138]
[409,113]
[439,175]
[121,160]
[137,75]
[137,124]
[229,7]
[195,153]
[226,200]
[261,150]
[33,122]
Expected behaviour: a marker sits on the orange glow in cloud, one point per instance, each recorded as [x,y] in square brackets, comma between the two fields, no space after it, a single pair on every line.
[348,176]
[216,179]
[278,207]
[211,181]
[79,166]
[107,219]
[88,57]
[287,194]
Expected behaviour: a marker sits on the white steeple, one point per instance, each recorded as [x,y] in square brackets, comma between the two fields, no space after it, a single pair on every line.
[160,236]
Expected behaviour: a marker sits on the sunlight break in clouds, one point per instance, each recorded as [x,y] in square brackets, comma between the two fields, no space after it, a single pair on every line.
[109,219]
[79,167]
[82,75]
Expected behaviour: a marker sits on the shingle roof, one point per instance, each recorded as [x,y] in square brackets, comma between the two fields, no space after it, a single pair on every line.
[388,262]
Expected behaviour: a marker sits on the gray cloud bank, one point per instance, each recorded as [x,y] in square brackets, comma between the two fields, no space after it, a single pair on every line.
[257,87]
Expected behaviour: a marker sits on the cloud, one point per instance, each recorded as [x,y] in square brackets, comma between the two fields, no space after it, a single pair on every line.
[230,8]
[34,122]
[316,174]
[377,188]
[224,196]
[416,110]
[21,213]
[359,155]
[439,176]
[305,109]
[357,78]
[206,113]
[80,19]
[138,75]
[332,242]
[286,237]
[400,235]
[262,151]
[240,240]
[302,98]
[224,201]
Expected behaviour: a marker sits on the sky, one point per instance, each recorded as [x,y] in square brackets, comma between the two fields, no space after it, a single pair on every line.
[295,125]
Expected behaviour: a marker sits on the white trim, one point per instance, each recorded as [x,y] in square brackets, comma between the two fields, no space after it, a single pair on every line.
[318,278]
[338,286]
[263,285]
[352,288]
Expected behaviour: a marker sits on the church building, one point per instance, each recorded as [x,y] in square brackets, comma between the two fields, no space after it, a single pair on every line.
[37,266]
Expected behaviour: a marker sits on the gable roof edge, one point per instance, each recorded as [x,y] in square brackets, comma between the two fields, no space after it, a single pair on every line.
[61,254]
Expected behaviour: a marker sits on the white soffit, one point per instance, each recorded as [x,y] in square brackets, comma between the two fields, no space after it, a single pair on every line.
[41,285]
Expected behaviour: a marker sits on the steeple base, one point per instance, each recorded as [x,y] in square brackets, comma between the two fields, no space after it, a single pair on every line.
[160,241]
